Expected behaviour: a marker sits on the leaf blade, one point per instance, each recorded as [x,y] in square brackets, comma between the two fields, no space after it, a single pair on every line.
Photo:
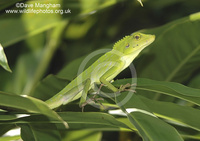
[3,60]
[148,126]
[168,88]
[178,39]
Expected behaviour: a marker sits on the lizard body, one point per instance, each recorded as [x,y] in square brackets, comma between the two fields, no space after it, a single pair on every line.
[103,70]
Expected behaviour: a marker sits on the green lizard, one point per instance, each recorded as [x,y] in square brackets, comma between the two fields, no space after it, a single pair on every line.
[103,70]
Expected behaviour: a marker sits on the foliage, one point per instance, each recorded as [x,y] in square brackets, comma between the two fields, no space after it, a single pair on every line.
[3,59]
[45,51]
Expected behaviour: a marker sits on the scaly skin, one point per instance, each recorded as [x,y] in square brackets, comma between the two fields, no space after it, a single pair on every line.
[103,70]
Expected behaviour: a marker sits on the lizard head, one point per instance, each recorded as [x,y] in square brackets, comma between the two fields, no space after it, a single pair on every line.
[134,43]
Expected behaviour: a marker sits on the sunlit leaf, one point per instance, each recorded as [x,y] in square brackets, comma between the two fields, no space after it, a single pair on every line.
[3,60]
[10,138]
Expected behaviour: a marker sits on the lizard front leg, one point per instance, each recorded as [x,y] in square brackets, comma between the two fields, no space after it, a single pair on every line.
[115,69]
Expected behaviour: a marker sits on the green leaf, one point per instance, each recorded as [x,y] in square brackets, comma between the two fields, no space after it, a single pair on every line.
[167,88]
[10,138]
[175,53]
[93,120]
[76,120]
[190,137]
[184,115]
[6,116]
[29,104]
[3,60]
[83,135]
[30,132]
[149,126]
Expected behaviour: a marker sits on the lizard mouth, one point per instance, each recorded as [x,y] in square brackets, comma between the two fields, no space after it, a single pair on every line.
[149,40]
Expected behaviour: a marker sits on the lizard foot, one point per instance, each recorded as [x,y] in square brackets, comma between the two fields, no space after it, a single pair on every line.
[92,100]
[128,85]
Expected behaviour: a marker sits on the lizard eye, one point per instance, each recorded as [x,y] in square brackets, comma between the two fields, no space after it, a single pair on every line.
[137,37]
[127,45]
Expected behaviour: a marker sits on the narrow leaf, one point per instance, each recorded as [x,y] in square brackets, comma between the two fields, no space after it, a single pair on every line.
[167,88]
[175,54]
[76,120]
[30,132]
[183,115]
[149,126]
[3,60]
